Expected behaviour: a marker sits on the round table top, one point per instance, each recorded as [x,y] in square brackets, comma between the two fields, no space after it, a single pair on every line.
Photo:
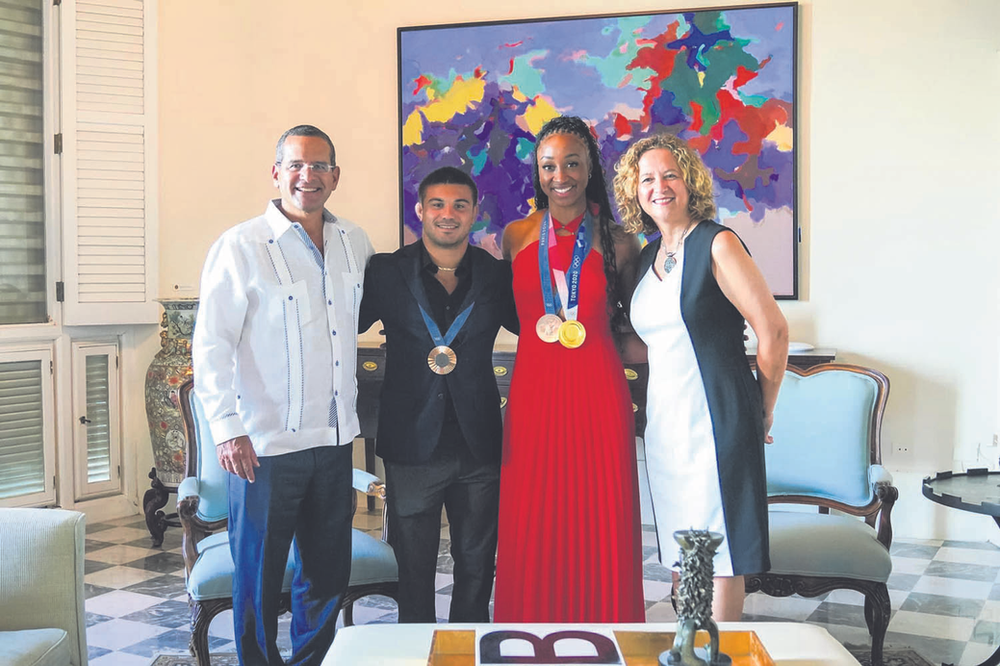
[977,490]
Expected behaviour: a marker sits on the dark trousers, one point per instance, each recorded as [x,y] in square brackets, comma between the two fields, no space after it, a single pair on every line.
[305,495]
[470,492]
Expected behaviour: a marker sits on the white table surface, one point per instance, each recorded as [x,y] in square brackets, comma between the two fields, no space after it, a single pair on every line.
[788,643]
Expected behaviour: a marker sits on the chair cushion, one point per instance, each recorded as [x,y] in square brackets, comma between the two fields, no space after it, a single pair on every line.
[813,544]
[211,576]
[35,647]
[212,540]
[372,561]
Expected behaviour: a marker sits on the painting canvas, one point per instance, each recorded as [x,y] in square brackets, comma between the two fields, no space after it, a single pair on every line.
[475,95]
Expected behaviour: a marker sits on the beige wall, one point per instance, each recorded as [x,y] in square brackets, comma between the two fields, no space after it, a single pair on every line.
[898,137]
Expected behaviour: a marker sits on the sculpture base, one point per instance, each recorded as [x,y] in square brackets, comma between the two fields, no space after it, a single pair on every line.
[669,658]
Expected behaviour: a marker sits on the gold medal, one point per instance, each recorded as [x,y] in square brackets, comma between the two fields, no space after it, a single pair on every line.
[572,334]
[442,360]
[547,327]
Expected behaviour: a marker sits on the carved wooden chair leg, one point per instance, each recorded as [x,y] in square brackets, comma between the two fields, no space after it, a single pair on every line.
[878,610]
[200,620]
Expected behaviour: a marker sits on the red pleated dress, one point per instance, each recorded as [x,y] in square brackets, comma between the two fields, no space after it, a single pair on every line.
[569,545]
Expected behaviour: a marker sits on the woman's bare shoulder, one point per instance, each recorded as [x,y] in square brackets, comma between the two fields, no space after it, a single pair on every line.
[519,233]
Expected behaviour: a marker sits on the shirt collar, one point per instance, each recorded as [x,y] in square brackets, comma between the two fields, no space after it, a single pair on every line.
[280,224]
[427,264]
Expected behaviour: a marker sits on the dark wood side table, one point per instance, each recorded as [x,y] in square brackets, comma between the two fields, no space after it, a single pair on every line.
[977,491]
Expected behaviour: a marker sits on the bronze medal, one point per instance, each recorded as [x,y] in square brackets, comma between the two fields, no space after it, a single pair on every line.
[572,334]
[442,360]
[547,327]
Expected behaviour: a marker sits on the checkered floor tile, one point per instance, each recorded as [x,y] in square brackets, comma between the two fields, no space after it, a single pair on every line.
[945,598]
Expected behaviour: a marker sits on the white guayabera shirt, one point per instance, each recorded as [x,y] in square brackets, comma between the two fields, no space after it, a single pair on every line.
[275,341]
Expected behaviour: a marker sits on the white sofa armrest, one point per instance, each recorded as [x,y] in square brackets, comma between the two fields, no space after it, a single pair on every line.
[41,575]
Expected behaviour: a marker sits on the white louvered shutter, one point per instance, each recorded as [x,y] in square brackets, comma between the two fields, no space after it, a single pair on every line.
[27,434]
[22,164]
[96,419]
[108,161]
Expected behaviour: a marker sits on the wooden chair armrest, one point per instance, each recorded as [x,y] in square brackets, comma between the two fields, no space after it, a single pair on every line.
[888,494]
[369,484]
[194,529]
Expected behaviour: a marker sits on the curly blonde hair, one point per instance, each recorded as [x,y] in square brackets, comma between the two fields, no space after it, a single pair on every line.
[696,176]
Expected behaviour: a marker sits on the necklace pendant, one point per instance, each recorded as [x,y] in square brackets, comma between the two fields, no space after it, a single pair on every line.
[669,262]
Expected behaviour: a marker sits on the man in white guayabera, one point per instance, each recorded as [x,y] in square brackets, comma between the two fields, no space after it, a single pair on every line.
[275,347]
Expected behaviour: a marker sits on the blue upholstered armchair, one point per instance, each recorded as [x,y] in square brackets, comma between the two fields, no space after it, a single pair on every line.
[827,453]
[203,507]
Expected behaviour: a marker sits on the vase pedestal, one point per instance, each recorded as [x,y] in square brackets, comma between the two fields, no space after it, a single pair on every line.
[153,502]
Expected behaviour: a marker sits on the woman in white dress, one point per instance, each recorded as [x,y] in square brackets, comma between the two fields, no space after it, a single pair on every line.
[707,417]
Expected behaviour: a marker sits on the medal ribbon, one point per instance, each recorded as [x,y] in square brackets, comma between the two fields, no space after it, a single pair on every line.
[570,286]
[453,330]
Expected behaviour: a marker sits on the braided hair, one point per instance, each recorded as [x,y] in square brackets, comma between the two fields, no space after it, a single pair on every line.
[597,192]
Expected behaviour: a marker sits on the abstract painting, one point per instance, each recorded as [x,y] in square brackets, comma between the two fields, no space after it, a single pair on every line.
[474,96]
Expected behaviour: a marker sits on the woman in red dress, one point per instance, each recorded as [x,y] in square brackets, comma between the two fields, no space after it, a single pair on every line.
[569,543]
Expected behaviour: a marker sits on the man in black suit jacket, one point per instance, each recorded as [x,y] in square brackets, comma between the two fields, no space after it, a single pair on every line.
[441,302]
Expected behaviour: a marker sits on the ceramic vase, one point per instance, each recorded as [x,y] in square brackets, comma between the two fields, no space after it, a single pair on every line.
[170,368]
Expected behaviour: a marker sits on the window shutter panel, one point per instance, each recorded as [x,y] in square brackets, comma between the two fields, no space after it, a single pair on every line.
[22,177]
[108,162]
[99,417]
[27,448]
[97,437]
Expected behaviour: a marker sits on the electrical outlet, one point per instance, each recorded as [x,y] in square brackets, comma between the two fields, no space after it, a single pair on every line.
[901,450]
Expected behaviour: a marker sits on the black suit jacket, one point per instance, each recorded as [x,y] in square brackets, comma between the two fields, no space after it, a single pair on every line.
[412,404]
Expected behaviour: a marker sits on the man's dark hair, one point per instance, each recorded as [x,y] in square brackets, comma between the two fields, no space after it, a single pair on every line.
[448,176]
[304,130]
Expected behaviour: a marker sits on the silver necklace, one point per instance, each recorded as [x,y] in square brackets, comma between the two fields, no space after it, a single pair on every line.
[671,261]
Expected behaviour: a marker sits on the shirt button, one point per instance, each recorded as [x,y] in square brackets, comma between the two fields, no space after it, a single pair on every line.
[291,298]
[337,363]
[293,429]
[270,240]
[440,396]
[329,302]
[336,392]
[334,332]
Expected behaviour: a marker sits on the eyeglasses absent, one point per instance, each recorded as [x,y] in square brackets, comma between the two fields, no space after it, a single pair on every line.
[315,167]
